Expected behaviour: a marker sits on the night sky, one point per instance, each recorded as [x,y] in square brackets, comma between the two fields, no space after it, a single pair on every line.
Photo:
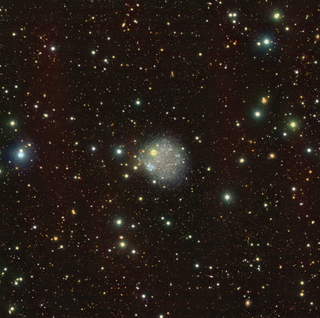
[159,158]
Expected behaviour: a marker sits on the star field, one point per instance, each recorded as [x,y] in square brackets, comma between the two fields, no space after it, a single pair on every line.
[159,159]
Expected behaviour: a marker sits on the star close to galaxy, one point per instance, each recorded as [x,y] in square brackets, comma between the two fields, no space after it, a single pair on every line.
[159,159]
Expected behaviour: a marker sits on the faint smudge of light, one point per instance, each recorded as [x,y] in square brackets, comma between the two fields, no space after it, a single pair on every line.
[272,155]
[293,124]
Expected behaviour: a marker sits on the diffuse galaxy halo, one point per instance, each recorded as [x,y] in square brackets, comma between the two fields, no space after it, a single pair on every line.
[165,161]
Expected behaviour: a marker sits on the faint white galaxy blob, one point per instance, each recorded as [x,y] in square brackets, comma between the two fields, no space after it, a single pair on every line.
[165,161]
